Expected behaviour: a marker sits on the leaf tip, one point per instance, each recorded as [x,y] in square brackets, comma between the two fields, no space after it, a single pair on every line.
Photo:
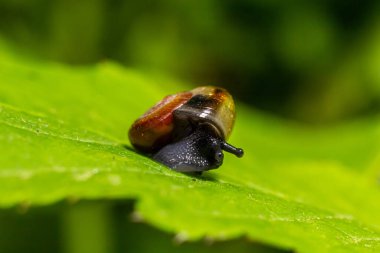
[180,238]
[136,217]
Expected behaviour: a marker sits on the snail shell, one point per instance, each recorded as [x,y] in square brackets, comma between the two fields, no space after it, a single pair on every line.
[209,105]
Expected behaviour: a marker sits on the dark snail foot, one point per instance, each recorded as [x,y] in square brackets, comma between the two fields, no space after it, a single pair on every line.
[198,152]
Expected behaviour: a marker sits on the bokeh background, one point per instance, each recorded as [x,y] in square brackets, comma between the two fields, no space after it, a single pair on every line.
[308,60]
[313,61]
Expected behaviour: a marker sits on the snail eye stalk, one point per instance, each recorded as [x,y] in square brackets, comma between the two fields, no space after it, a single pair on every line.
[231,149]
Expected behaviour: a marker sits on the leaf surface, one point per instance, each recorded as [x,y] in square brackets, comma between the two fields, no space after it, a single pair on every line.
[63,135]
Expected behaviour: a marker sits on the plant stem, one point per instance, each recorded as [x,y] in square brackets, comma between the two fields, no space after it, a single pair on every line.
[87,227]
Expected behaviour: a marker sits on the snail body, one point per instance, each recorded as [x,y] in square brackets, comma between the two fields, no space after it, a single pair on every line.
[187,131]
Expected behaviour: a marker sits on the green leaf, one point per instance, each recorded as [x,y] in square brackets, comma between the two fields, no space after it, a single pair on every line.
[63,132]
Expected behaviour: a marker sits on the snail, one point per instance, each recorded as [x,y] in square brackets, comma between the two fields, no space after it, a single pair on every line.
[187,131]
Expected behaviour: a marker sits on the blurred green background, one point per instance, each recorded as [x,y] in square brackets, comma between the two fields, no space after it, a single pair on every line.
[313,61]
